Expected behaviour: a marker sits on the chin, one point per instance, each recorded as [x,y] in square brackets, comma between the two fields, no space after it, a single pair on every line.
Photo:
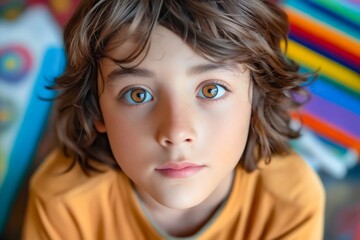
[180,202]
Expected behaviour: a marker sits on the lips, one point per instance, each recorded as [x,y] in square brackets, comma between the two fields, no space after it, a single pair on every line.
[179,170]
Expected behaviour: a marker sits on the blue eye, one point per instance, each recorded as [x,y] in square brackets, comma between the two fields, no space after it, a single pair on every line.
[136,96]
[212,91]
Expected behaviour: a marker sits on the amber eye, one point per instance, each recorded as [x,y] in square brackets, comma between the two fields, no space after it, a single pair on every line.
[136,96]
[210,91]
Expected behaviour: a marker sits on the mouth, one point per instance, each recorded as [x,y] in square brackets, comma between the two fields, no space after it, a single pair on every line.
[179,170]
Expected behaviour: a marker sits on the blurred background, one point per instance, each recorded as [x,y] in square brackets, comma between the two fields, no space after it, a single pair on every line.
[324,37]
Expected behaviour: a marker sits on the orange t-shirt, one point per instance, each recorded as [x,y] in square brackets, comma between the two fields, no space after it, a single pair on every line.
[283,200]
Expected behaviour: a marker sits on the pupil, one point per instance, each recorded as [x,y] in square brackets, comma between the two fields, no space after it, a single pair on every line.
[138,95]
[213,91]
[210,91]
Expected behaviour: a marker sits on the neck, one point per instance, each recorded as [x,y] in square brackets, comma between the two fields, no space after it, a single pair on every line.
[191,219]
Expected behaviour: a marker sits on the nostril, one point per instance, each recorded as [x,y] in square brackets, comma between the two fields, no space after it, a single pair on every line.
[171,138]
[168,142]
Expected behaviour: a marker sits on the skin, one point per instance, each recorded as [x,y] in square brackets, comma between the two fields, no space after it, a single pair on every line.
[176,122]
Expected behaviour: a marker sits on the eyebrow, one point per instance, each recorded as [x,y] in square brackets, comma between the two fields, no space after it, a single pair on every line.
[203,68]
[136,72]
[141,72]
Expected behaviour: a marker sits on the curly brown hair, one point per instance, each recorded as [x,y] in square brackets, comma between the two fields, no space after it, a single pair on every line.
[243,31]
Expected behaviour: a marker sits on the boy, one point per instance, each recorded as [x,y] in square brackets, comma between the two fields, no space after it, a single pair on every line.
[168,115]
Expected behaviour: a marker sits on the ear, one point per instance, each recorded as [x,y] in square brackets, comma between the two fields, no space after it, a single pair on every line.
[100,126]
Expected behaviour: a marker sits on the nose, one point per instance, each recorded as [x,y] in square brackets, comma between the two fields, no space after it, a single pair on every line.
[176,125]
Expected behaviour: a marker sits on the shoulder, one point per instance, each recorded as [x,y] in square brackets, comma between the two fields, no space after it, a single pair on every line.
[56,178]
[289,179]
[82,204]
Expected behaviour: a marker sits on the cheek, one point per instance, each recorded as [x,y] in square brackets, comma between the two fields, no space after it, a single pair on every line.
[230,131]
[127,146]
[126,136]
[122,128]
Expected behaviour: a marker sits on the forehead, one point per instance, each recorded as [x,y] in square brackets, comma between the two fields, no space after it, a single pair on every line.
[163,46]
[162,42]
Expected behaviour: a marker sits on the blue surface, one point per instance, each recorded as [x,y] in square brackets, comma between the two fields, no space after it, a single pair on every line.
[30,130]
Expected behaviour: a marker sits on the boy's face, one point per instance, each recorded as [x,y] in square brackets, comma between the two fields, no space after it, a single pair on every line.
[177,123]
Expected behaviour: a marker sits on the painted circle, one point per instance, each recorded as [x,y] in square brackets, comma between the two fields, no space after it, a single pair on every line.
[15,63]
